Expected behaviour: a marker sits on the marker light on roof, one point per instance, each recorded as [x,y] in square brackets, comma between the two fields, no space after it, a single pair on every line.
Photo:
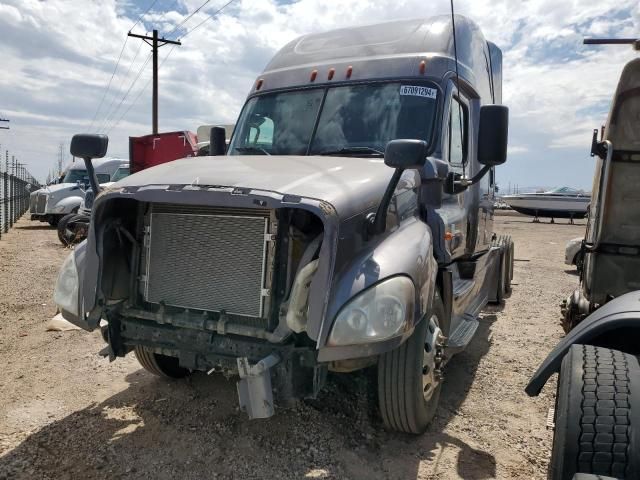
[259,84]
[331,72]
[314,74]
[349,71]
[423,67]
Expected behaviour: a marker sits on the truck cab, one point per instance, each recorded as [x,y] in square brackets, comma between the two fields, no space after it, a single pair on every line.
[347,225]
[51,203]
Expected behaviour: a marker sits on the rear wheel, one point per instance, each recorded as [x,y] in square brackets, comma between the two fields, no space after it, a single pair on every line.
[160,365]
[410,377]
[597,415]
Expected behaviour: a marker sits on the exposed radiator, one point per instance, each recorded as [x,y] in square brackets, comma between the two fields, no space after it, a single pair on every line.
[208,259]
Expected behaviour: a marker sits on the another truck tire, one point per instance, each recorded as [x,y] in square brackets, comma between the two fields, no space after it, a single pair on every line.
[510,251]
[160,365]
[597,415]
[401,373]
[65,236]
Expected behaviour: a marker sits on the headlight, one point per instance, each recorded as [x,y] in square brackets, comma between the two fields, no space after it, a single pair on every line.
[65,294]
[379,313]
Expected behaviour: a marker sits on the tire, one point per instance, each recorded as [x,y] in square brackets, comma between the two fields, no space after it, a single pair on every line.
[509,250]
[597,415]
[403,403]
[65,236]
[159,365]
[578,260]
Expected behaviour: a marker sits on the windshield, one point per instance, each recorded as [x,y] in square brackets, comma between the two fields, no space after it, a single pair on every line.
[77,175]
[121,173]
[351,119]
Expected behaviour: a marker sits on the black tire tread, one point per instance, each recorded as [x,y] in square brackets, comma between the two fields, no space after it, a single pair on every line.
[149,361]
[399,371]
[596,421]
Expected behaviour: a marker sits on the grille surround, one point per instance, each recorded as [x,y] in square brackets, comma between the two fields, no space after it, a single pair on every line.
[41,203]
[208,259]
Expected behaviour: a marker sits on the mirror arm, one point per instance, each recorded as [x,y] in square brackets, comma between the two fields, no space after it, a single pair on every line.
[467,182]
[93,179]
[377,223]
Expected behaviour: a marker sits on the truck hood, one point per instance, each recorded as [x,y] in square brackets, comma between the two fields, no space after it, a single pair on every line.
[59,187]
[350,184]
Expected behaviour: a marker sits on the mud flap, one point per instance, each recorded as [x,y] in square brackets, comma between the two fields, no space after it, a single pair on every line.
[254,388]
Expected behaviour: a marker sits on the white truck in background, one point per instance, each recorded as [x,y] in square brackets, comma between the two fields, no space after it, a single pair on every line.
[51,203]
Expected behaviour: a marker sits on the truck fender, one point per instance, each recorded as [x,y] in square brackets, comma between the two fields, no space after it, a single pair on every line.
[66,205]
[622,312]
[406,251]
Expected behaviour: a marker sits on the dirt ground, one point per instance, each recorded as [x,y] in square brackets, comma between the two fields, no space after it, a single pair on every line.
[66,412]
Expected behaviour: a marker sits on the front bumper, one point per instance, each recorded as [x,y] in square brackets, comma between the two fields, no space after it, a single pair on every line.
[296,375]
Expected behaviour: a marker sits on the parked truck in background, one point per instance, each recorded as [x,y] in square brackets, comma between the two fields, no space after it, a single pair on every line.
[348,225]
[52,202]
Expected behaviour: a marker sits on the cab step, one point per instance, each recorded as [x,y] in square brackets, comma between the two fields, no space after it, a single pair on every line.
[462,335]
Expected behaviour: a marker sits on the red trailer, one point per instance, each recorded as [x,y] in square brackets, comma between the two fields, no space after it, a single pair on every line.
[150,150]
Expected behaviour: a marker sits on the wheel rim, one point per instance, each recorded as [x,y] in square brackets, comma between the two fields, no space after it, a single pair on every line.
[432,360]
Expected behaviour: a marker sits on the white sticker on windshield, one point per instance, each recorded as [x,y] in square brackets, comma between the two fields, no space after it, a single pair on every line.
[418,91]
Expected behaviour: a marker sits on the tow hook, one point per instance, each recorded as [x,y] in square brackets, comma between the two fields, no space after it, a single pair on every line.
[254,388]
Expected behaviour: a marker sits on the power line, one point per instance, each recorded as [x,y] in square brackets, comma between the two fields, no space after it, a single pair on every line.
[208,18]
[106,120]
[109,84]
[143,14]
[120,88]
[188,17]
[140,92]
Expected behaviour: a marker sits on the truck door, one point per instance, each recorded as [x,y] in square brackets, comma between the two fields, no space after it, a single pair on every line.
[455,144]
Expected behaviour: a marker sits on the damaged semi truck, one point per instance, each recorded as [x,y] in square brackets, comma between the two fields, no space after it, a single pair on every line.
[347,225]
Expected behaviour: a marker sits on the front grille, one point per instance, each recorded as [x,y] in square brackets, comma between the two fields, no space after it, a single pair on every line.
[207,259]
[41,204]
[33,199]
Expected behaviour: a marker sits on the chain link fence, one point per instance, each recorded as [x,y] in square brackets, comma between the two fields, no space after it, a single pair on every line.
[16,183]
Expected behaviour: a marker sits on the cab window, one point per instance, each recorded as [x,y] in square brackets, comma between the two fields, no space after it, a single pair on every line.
[457,133]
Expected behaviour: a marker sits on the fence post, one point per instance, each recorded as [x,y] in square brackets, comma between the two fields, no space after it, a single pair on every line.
[6,192]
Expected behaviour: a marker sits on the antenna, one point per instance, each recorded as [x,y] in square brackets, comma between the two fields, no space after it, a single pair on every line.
[455,44]
[455,55]
[635,42]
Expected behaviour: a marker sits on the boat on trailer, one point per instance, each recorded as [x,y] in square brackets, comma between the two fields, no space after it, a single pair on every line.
[562,202]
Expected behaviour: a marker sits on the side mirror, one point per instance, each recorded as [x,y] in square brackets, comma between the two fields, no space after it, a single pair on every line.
[217,141]
[405,154]
[493,135]
[89,146]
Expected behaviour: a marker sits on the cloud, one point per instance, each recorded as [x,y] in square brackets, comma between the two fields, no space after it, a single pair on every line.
[59,55]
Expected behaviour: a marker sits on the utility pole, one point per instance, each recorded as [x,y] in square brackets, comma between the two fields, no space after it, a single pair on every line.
[60,158]
[155,43]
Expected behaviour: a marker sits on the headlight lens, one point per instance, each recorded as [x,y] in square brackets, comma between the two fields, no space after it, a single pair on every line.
[379,313]
[65,294]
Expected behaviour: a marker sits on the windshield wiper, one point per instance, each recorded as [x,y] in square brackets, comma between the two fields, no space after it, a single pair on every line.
[253,150]
[353,150]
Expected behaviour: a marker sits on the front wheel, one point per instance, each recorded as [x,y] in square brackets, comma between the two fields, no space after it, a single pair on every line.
[597,415]
[160,365]
[410,377]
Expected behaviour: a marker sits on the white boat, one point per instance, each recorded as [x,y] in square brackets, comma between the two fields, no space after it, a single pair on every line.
[563,202]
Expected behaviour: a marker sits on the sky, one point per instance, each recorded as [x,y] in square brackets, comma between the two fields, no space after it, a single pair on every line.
[58,57]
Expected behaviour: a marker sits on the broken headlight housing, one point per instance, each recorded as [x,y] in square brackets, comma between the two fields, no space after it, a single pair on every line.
[381,312]
[65,294]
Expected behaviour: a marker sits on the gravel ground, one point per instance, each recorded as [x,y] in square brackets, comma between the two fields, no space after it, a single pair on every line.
[65,412]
